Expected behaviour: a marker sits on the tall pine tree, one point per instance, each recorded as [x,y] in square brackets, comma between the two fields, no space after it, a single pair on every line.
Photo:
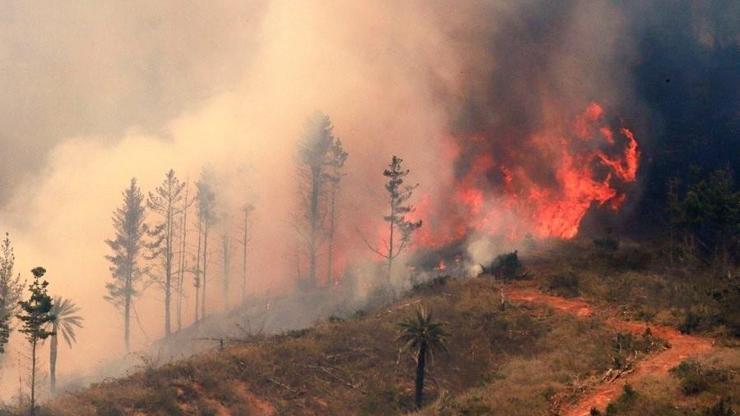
[226,257]
[316,154]
[183,264]
[165,202]
[129,228]
[334,174]
[11,288]
[35,315]
[400,229]
[206,217]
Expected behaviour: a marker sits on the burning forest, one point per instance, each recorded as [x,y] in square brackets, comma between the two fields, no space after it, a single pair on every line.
[275,207]
[542,186]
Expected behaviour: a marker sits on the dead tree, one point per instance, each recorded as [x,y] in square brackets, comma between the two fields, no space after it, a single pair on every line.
[315,156]
[400,229]
[165,201]
[337,158]
[186,203]
[206,216]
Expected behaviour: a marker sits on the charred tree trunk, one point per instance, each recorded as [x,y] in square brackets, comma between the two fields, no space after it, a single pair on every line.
[168,272]
[33,376]
[332,225]
[127,315]
[197,272]
[390,242]
[226,247]
[313,224]
[205,266]
[183,261]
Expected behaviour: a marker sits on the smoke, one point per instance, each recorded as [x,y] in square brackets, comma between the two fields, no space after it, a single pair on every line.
[98,93]
[303,58]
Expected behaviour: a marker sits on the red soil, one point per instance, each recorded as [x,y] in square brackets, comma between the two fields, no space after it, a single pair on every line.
[681,347]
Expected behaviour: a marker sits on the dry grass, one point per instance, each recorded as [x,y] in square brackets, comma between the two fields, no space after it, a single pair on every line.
[525,360]
[527,354]
[664,395]
[644,283]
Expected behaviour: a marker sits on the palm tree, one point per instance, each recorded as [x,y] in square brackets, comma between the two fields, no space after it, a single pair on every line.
[64,322]
[422,333]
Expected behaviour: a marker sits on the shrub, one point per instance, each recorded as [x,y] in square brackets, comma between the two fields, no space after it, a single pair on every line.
[106,407]
[625,345]
[690,323]
[721,408]
[634,259]
[625,402]
[508,266]
[206,409]
[696,379]
[431,285]
[607,243]
[692,379]
[566,285]
[628,394]
[162,398]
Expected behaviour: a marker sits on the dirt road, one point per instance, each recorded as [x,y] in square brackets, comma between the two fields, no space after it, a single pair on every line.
[682,347]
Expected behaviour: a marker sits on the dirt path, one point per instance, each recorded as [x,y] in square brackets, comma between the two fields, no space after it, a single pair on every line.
[682,347]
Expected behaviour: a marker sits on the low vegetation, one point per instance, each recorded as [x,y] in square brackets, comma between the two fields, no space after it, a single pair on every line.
[522,359]
[642,282]
[708,387]
[508,266]
[530,355]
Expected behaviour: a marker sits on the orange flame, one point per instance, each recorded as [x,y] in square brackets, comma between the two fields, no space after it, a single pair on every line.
[585,163]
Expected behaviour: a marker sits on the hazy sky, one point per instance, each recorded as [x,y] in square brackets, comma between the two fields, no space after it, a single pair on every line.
[89,68]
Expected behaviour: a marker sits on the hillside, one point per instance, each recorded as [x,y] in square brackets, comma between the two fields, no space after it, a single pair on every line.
[560,346]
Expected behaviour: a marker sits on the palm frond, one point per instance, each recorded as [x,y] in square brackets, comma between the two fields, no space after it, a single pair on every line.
[422,329]
[66,319]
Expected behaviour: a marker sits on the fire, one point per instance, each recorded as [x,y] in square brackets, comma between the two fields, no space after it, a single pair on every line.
[542,187]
